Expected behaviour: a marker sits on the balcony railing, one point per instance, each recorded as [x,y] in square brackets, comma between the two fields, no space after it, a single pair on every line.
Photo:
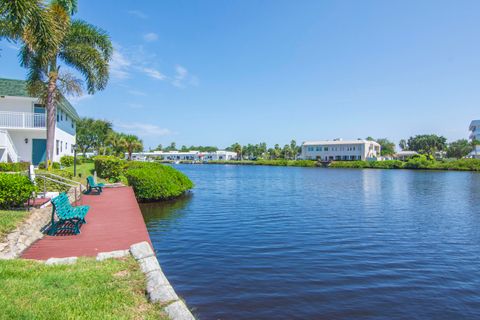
[22,120]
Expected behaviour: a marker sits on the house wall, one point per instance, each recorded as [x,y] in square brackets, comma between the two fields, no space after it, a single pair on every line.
[25,149]
[17,104]
[64,141]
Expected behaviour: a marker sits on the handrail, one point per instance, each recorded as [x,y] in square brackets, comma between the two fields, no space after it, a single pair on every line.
[10,145]
[12,119]
[58,177]
[73,184]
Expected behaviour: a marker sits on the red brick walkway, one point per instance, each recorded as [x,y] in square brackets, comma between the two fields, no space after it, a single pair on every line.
[114,222]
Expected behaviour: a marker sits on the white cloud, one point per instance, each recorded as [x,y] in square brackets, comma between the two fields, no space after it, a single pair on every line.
[75,100]
[154,73]
[119,65]
[143,129]
[181,73]
[150,37]
[138,14]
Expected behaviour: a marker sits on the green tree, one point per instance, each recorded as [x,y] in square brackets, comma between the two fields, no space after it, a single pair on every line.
[92,134]
[459,149]
[116,142]
[474,144]
[427,143]
[403,144]
[171,147]
[388,147]
[75,43]
[132,144]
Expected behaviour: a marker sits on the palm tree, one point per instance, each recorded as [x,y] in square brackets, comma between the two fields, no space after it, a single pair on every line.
[116,142]
[133,144]
[80,46]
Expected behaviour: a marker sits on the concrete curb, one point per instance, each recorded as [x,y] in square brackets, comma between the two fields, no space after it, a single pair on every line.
[158,287]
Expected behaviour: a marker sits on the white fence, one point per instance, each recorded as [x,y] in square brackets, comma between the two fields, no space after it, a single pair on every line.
[22,120]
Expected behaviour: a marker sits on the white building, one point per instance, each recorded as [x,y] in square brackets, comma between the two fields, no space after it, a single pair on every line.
[329,150]
[475,134]
[186,156]
[23,133]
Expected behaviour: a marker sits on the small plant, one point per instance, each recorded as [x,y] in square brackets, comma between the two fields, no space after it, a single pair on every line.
[14,166]
[66,161]
[15,189]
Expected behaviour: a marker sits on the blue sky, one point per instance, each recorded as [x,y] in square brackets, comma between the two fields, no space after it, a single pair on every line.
[217,72]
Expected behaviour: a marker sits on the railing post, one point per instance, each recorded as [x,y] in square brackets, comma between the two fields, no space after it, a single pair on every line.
[23,119]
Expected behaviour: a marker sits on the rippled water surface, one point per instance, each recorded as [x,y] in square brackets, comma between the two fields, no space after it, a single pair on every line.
[310,243]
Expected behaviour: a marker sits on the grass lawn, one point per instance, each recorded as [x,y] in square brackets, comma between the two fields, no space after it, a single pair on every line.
[111,289]
[83,171]
[9,220]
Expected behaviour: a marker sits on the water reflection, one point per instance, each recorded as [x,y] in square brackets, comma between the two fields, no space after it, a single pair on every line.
[166,210]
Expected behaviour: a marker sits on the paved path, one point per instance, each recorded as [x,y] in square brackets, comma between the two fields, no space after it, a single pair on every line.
[114,222]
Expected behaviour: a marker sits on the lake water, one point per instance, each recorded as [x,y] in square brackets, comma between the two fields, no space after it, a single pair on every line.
[310,243]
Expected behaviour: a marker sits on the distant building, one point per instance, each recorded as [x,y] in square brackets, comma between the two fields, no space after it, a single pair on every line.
[475,134]
[346,150]
[405,154]
[186,155]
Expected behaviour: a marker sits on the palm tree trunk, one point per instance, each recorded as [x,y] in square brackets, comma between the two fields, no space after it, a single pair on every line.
[50,106]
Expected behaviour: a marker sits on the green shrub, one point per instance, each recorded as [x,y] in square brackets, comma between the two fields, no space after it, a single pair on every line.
[154,181]
[419,162]
[66,161]
[55,165]
[109,167]
[14,166]
[15,189]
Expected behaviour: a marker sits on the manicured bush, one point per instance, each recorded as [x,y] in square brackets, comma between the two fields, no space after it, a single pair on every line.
[154,181]
[14,166]
[15,189]
[66,161]
[109,167]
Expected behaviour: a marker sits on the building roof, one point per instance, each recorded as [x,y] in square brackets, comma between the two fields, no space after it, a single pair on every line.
[337,142]
[406,153]
[473,124]
[18,88]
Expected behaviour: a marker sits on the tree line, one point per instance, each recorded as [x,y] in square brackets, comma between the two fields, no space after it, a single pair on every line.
[94,135]
[428,144]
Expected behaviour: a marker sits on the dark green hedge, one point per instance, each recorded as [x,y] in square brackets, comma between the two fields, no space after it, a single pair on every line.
[14,167]
[109,167]
[154,181]
[15,189]
[418,162]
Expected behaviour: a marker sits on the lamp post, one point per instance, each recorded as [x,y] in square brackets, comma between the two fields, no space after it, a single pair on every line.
[74,160]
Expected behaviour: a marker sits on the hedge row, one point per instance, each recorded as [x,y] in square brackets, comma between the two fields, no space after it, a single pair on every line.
[15,189]
[154,181]
[419,162]
[51,185]
[14,166]
[150,181]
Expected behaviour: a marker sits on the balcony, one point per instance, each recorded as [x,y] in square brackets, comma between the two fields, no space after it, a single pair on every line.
[22,120]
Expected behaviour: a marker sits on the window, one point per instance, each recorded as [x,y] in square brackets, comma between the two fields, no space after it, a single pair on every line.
[66,117]
[58,117]
[61,115]
[73,124]
[66,146]
[72,148]
[325,149]
[57,145]
[61,146]
[318,149]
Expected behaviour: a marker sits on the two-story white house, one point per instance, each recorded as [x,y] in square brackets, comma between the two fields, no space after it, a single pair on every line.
[23,133]
[330,150]
[475,135]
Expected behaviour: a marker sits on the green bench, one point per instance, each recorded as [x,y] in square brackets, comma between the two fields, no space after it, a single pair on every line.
[91,185]
[69,218]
